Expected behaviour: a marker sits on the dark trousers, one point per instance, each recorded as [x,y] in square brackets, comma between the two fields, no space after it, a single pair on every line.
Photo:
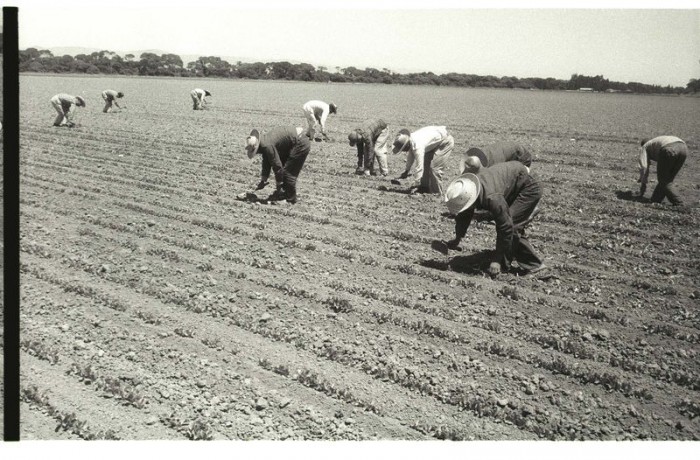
[669,162]
[520,210]
[293,165]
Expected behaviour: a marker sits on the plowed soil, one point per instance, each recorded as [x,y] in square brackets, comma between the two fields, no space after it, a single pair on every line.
[155,305]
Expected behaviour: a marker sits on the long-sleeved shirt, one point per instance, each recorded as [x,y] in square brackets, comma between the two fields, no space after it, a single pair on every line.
[200,93]
[110,95]
[275,147]
[650,151]
[66,100]
[423,140]
[500,186]
[369,135]
[500,152]
[320,109]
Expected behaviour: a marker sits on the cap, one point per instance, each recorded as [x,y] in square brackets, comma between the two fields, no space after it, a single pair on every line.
[332,108]
[252,143]
[81,100]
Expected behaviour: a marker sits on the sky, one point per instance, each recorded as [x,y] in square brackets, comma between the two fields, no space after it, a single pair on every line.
[649,45]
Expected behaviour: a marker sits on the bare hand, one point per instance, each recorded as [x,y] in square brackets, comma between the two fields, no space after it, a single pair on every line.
[494,268]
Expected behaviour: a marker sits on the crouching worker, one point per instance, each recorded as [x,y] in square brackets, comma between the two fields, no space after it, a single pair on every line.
[511,195]
[283,151]
[371,142]
[65,107]
[500,152]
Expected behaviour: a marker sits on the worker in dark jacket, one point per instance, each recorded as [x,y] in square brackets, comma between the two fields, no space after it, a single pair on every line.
[371,142]
[669,152]
[511,195]
[500,152]
[283,151]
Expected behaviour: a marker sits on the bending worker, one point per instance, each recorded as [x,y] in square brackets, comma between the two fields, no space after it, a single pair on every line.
[499,152]
[669,152]
[65,107]
[317,112]
[511,195]
[283,151]
[371,142]
[110,97]
[428,149]
[198,101]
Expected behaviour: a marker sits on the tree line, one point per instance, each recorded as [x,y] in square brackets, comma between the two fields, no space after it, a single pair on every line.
[171,65]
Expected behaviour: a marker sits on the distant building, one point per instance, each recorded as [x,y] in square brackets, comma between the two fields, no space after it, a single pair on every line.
[586,90]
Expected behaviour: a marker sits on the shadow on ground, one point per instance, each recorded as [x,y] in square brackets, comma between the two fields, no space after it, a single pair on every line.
[473,264]
[628,195]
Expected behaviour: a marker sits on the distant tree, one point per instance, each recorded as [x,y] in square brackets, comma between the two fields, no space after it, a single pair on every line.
[693,85]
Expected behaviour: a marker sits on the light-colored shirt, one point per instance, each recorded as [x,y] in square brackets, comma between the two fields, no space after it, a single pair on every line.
[423,140]
[109,94]
[650,151]
[320,111]
[65,99]
[200,93]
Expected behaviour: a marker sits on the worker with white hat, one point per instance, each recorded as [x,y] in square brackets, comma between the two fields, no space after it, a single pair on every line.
[64,105]
[511,195]
[317,112]
[198,95]
[110,97]
[476,158]
[428,149]
[371,141]
[283,151]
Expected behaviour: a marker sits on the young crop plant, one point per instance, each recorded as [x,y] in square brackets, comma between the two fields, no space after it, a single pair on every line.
[148,317]
[40,350]
[510,292]
[182,332]
[339,305]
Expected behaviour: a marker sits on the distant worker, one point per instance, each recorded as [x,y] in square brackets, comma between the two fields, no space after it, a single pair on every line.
[511,195]
[428,149]
[669,152]
[65,106]
[371,141]
[283,151]
[198,100]
[110,97]
[317,112]
[499,152]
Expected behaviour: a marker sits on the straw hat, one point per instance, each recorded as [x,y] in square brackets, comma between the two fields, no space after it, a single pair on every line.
[80,100]
[462,192]
[476,152]
[402,141]
[252,143]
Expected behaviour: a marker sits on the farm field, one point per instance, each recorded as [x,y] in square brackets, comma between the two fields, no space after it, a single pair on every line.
[154,305]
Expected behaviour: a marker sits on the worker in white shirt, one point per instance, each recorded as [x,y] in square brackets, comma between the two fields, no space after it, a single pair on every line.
[110,97]
[198,101]
[428,149]
[669,153]
[317,112]
[64,105]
